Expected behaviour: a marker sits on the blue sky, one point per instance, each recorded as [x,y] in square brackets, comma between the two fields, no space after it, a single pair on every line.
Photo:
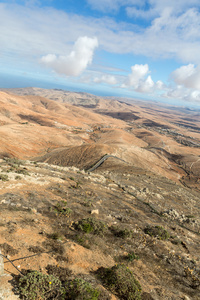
[147,49]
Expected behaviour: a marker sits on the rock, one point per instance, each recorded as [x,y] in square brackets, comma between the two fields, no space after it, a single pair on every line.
[172,213]
[6,288]
[186,297]
[95,211]
[109,217]
[159,196]
[113,185]
[34,210]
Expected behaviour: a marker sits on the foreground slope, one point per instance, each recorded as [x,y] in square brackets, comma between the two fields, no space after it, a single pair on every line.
[143,221]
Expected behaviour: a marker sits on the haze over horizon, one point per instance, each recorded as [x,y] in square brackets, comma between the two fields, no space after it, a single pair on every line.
[131,48]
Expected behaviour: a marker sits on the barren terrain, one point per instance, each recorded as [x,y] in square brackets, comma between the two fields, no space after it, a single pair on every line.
[149,182]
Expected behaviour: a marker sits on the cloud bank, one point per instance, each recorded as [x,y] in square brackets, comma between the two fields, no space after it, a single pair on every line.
[168,35]
[184,82]
[77,61]
[140,81]
[108,79]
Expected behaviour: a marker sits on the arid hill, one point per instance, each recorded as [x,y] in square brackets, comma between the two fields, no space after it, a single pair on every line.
[127,229]
[165,140]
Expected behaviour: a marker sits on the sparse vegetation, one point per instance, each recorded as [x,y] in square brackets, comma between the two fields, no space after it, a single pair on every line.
[8,249]
[57,284]
[13,161]
[80,289]
[87,202]
[80,239]
[76,186]
[61,209]
[23,171]
[92,225]
[54,236]
[14,165]
[35,285]
[4,177]
[36,249]
[131,257]
[157,231]
[122,233]
[54,246]
[120,280]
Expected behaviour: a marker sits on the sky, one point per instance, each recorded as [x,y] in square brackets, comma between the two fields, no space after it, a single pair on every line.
[144,49]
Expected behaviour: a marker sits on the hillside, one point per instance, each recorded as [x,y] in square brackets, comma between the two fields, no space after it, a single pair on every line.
[43,207]
[137,212]
[165,140]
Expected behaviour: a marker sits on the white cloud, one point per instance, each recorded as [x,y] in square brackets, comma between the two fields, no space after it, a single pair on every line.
[140,81]
[77,61]
[108,79]
[137,75]
[188,76]
[195,96]
[174,31]
[38,30]
[146,86]
[156,7]
[185,84]
[177,6]
[179,92]
[160,85]
[143,8]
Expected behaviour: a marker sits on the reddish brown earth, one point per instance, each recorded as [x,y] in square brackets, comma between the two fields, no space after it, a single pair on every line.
[156,182]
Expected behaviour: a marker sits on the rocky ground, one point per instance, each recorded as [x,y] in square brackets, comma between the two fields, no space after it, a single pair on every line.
[74,225]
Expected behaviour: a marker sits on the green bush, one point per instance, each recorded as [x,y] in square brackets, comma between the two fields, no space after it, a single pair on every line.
[58,285]
[120,281]
[157,231]
[13,161]
[131,257]
[4,177]
[80,289]
[91,225]
[87,202]
[54,236]
[22,171]
[122,233]
[61,209]
[81,240]
[36,285]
